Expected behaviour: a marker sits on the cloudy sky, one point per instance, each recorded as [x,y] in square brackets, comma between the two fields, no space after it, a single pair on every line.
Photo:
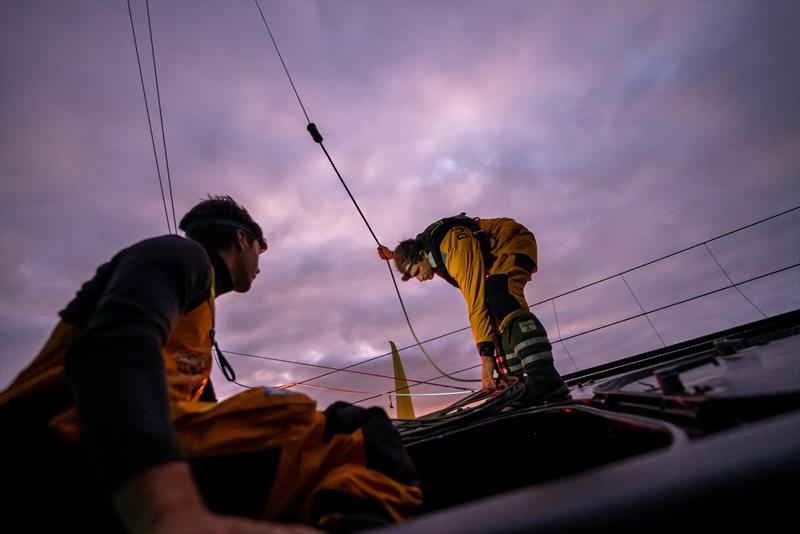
[618,132]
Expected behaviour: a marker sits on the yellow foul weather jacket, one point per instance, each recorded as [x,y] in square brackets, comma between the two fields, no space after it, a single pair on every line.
[468,264]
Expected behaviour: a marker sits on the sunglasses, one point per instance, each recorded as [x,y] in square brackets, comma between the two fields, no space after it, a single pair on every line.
[407,275]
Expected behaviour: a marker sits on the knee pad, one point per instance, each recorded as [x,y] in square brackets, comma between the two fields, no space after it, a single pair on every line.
[526,338]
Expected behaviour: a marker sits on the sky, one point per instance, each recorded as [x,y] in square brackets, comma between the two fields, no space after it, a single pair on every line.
[618,132]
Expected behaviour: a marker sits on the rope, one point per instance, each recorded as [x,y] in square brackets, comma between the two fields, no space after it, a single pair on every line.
[149,122]
[317,137]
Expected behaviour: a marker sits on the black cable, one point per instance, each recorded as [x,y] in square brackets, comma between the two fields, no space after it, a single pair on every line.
[161,117]
[226,368]
[149,122]
[282,62]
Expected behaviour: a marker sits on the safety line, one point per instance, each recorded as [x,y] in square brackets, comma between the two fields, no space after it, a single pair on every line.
[149,122]
[707,293]
[671,254]
[161,117]
[327,388]
[312,129]
[336,369]
[222,369]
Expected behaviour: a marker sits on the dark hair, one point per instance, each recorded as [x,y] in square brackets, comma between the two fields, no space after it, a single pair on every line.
[406,254]
[213,223]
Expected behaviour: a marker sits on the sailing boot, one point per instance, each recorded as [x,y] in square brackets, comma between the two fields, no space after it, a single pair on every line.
[526,339]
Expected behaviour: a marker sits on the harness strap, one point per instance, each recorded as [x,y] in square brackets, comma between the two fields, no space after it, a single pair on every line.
[434,234]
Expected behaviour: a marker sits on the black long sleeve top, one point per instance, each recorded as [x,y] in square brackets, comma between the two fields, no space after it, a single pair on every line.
[115,368]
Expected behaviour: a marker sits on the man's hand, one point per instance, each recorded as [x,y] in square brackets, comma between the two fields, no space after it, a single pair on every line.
[164,500]
[385,253]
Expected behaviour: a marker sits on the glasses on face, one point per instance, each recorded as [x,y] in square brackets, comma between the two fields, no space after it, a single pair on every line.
[408,274]
[411,272]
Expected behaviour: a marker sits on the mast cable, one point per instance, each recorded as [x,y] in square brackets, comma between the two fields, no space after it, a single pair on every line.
[149,122]
[161,117]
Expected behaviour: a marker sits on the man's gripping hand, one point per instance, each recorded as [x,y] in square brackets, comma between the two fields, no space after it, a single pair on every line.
[385,253]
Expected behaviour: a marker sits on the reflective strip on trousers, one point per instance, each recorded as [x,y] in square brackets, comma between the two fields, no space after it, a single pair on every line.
[511,363]
[528,342]
[539,356]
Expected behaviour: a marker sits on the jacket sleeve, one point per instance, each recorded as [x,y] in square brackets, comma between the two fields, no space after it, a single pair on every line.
[115,368]
[464,261]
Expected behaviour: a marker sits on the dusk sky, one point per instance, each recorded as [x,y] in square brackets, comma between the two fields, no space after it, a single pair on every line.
[618,132]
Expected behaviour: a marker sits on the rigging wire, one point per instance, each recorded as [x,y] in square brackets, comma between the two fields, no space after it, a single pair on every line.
[764,315]
[161,117]
[149,121]
[312,129]
[335,369]
[642,308]
[558,328]
[339,390]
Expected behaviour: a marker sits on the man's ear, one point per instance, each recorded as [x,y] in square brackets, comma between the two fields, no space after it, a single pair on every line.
[241,239]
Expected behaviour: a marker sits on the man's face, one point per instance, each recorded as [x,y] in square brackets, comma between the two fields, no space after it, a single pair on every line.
[246,263]
[422,270]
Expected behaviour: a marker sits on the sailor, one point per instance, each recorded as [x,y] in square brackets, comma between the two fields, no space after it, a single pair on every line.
[490,261]
[109,429]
